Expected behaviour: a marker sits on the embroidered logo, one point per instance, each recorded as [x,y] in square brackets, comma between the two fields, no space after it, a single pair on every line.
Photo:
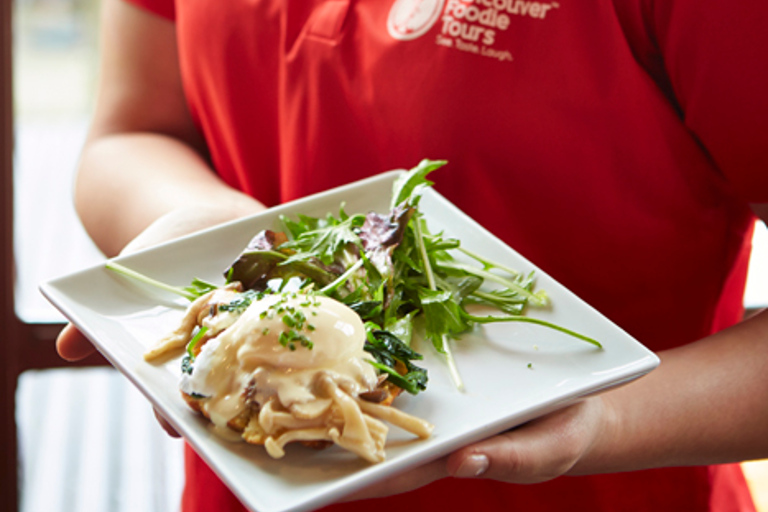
[409,19]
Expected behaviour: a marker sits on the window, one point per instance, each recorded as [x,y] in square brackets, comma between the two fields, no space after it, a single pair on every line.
[55,55]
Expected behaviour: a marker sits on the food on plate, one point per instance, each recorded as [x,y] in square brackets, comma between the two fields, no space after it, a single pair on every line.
[284,367]
[309,338]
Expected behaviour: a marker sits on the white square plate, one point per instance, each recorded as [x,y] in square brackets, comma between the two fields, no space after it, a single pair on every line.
[513,372]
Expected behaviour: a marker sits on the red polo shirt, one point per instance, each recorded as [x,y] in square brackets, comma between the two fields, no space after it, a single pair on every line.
[614,144]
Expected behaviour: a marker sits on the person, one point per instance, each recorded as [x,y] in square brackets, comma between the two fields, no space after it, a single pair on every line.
[620,146]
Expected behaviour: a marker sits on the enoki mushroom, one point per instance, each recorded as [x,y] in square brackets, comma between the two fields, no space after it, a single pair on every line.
[350,422]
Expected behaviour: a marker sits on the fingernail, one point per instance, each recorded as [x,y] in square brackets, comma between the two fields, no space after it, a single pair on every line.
[473,466]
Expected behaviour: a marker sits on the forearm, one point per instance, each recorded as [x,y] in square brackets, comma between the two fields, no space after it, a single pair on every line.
[706,403]
[127,181]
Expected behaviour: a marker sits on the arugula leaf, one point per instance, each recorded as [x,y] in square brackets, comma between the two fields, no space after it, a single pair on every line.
[190,293]
[508,301]
[327,242]
[332,287]
[523,288]
[401,327]
[531,320]
[302,225]
[199,287]
[409,186]
[443,316]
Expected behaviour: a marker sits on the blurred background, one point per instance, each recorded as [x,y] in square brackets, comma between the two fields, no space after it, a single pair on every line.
[86,440]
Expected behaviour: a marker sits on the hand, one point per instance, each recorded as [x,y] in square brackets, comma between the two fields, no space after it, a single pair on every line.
[540,450]
[543,449]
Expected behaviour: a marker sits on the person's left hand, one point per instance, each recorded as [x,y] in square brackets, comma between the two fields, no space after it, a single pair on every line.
[540,450]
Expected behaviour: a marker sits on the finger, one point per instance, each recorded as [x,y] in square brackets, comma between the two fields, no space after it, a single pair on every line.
[166,426]
[404,482]
[536,452]
[72,345]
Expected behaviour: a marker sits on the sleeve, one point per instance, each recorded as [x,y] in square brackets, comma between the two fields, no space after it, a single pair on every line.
[164,8]
[716,57]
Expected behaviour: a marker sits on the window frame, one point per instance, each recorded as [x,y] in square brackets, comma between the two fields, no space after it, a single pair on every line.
[10,324]
[25,345]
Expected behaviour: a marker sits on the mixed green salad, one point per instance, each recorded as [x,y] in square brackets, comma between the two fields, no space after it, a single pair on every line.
[391,270]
